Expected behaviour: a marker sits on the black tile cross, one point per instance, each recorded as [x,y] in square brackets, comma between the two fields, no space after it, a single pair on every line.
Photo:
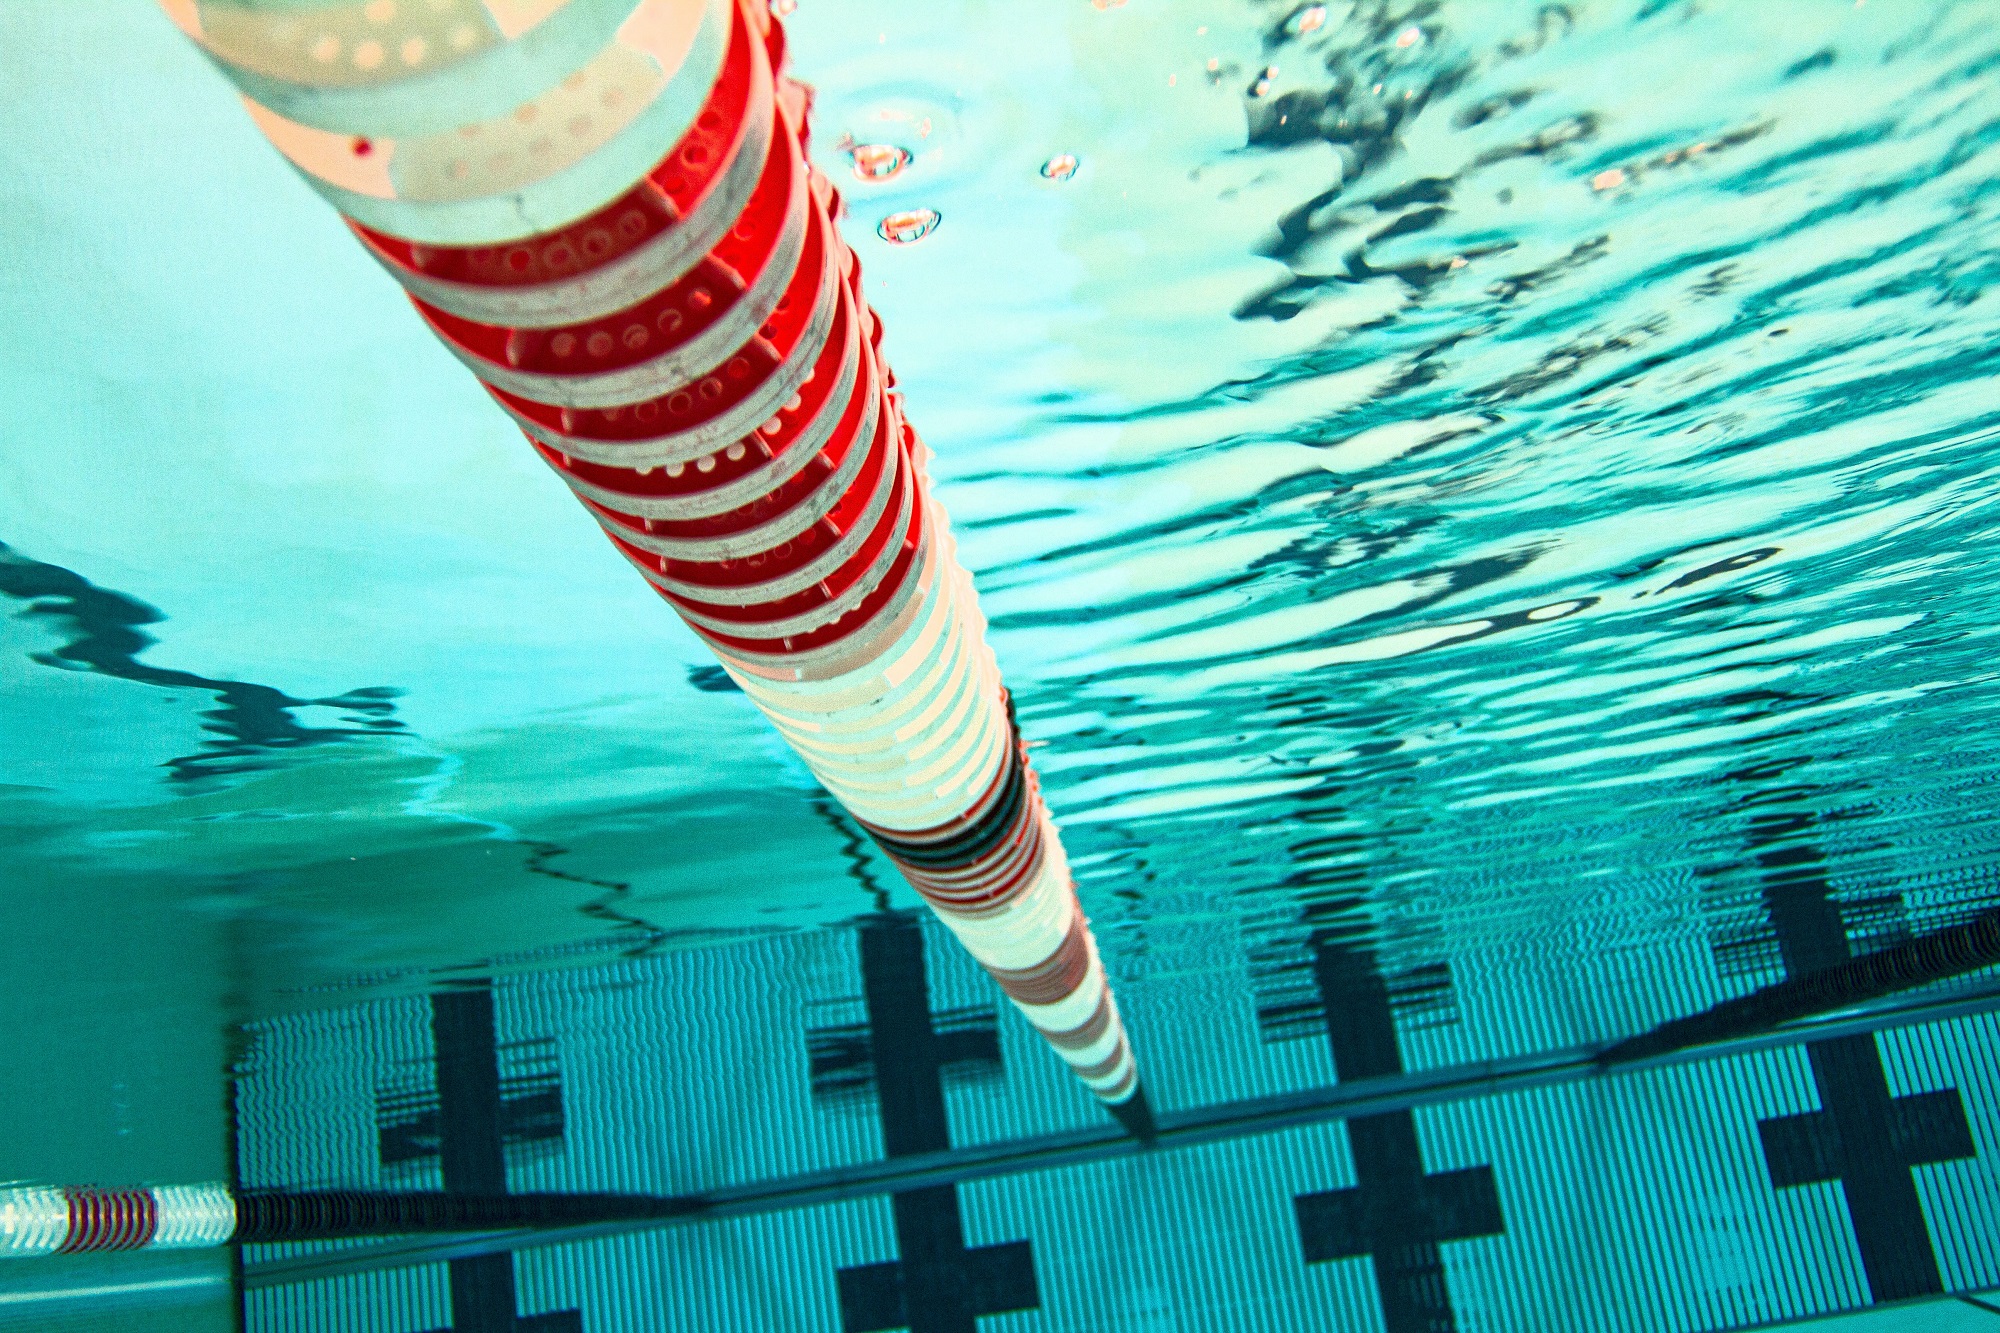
[472,1150]
[1865,1138]
[938,1285]
[1397,1215]
[1811,1148]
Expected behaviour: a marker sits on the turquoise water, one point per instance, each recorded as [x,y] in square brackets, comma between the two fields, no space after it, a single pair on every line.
[1501,497]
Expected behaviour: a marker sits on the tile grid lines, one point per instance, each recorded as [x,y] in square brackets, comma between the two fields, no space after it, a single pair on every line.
[1254,1116]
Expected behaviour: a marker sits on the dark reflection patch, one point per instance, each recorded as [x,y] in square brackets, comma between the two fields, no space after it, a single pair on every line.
[105,638]
[712,679]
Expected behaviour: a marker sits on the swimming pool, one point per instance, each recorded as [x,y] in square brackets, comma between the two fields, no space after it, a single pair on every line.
[1484,516]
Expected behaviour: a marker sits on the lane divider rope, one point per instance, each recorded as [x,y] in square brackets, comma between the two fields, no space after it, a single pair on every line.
[604,209]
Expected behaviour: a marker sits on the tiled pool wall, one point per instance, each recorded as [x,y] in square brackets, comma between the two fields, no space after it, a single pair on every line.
[1710,1195]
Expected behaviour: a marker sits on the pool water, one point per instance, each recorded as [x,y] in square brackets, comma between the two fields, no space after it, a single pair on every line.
[1487,515]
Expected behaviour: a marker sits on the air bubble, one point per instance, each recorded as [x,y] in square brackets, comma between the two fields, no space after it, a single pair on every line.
[1310,19]
[1060,167]
[878,161]
[909,226]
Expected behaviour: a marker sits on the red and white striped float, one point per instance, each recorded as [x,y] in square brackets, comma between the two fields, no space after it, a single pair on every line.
[36,1220]
[604,209]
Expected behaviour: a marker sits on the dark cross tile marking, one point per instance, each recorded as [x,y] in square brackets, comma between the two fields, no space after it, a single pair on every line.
[1862,1137]
[407,1119]
[1922,1128]
[1291,1009]
[1396,1215]
[937,1285]
[842,1058]
[472,1152]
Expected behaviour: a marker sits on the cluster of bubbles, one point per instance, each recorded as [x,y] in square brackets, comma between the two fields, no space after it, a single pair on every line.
[875,163]
[878,163]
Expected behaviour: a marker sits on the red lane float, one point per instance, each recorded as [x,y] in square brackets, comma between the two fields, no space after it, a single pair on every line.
[603,208]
